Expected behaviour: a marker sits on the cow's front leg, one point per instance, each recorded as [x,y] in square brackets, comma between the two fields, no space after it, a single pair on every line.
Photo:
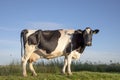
[65,65]
[69,60]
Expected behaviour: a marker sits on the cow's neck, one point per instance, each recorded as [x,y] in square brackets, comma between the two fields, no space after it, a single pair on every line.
[78,43]
[80,49]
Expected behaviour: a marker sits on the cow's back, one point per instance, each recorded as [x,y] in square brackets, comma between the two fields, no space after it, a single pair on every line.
[49,40]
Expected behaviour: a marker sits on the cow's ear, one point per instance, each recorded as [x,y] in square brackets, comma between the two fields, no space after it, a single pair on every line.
[79,31]
[95,31]
[38,35]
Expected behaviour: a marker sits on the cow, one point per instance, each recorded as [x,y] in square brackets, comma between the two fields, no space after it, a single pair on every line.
[49,44]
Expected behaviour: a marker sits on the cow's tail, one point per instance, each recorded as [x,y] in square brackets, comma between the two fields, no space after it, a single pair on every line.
[23,42]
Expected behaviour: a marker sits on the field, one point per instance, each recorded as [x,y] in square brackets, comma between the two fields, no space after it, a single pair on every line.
[52,71]
[82,75]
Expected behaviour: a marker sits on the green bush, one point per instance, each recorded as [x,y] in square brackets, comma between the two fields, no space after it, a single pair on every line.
[11,69]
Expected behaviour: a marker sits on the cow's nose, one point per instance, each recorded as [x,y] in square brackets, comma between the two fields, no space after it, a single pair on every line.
[89,44]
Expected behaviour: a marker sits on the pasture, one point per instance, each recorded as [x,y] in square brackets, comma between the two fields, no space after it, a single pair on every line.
[82,75]
[52,71]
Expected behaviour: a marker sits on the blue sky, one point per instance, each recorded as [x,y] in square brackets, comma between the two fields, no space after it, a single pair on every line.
[16,15]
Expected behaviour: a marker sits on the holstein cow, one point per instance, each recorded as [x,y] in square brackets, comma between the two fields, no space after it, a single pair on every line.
[53,43]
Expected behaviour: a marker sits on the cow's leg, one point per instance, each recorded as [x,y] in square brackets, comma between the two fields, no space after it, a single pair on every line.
[32,69]
[69,60]
[28,51]
[24,67]
[65,65]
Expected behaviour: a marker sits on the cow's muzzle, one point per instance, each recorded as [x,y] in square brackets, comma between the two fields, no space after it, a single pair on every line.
[89,44]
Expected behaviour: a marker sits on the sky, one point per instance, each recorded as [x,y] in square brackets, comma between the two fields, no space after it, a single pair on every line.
[16,15]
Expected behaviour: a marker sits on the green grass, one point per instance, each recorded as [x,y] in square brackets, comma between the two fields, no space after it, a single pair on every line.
[82,75]
[52,71]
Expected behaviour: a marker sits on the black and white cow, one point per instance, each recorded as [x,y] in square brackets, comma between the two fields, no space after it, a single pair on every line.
[53,43]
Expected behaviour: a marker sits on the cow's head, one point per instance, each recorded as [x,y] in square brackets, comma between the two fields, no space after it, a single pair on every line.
[87,35]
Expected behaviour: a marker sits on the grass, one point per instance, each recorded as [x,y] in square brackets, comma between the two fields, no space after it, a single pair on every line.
[82,75]
[52,71]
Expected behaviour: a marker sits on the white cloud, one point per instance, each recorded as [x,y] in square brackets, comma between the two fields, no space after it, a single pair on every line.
[45,25]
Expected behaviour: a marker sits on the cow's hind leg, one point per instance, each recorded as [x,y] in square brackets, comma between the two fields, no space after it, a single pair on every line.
[32,69]
[24,68]
[28,51]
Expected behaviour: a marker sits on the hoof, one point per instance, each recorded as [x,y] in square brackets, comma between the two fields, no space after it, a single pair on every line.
[62,72]
[34,74]
[70,74]
[24,75]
